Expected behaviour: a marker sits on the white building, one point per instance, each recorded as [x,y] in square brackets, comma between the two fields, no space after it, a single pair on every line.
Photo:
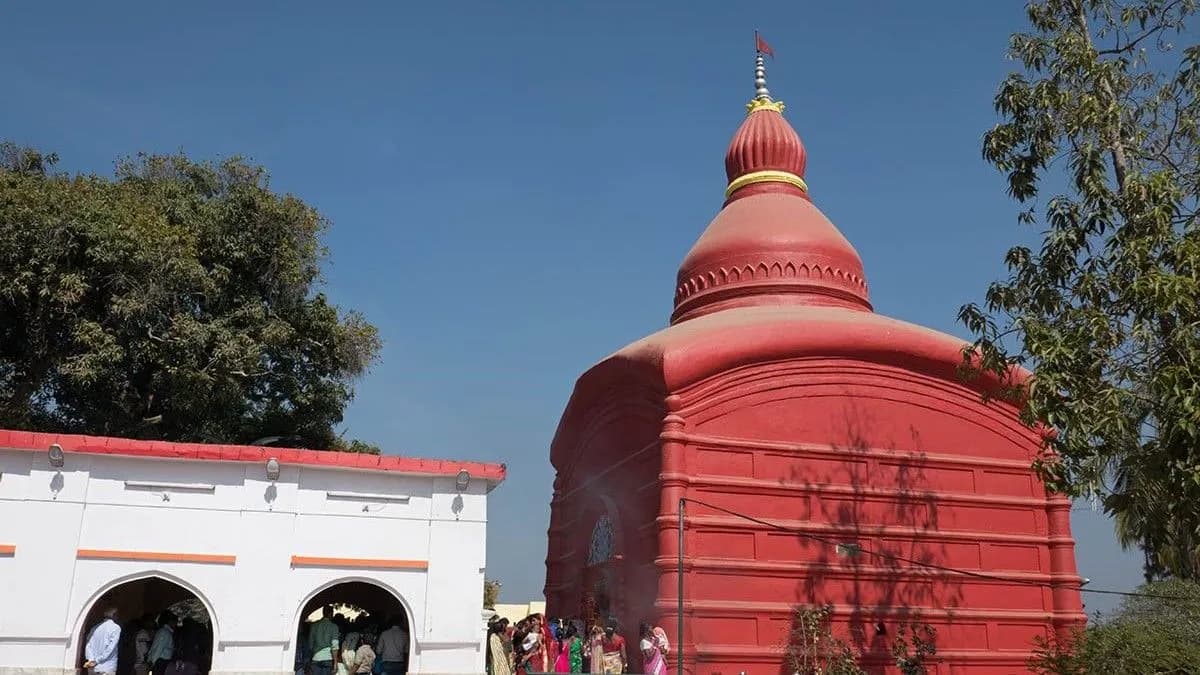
[259,543]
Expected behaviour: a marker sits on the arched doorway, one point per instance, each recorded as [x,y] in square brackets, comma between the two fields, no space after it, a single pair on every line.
[601,574]
[139,604]
[361,607]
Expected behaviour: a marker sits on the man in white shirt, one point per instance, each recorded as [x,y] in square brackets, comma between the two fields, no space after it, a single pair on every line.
[392,648]
[100,652]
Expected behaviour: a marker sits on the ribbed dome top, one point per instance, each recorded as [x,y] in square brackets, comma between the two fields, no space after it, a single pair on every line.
[765,142]
[769,245]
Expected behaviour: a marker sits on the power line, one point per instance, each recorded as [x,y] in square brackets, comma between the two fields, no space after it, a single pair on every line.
[934,566]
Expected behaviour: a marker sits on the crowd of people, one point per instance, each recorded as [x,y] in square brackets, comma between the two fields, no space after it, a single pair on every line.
[537,645]
[162,645]
[336,645]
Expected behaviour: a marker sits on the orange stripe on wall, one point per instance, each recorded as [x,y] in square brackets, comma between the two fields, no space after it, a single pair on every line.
[8,549]
[153,556]
[375,563]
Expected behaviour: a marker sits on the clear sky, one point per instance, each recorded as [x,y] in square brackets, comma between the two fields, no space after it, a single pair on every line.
[512,185]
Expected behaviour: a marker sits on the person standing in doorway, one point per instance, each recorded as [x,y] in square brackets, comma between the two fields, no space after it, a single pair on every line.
[141,646]
[100,651]
[323,639]
[392,647]
[162,648]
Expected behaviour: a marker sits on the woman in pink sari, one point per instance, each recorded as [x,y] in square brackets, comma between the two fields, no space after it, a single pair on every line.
[654,650]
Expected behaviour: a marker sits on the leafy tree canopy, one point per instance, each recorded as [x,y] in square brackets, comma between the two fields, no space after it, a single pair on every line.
[179,301]
[1155,634]
[1106,311]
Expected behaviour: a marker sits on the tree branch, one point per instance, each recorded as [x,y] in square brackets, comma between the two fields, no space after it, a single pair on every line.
[1116,145]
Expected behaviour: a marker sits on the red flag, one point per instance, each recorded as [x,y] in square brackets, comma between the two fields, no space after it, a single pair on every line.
[761,46]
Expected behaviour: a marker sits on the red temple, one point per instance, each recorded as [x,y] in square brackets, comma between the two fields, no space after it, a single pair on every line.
[877,482]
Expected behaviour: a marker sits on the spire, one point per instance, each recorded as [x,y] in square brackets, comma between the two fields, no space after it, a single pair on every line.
[762,96]
[761,93]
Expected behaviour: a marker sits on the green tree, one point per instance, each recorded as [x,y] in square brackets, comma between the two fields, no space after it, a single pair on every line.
[178,300]
[914,648]
[1106,311]
[1156,634]
[812,649]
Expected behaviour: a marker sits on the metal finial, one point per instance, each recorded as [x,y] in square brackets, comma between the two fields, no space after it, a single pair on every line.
[760,79]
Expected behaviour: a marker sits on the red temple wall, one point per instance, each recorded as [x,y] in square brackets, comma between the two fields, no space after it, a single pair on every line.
[895,461]
[608,466]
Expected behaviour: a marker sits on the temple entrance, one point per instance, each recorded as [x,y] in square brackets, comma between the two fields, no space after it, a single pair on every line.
[361,610]
[601,585]
[599,589]
[139,604]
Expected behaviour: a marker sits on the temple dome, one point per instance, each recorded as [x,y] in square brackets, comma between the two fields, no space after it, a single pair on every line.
[765,143]
[769,245]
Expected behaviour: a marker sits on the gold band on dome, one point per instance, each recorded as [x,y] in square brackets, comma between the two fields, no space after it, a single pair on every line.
[764,104]
[768,176]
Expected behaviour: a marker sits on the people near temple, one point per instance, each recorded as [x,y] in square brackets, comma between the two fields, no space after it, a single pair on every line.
[654,648]
[595,650]
[538,645]
[364,656]
[188,659]
[194,641]
[323,639]
[549,644]
[392,647]
[100,650]
[529,649]
[141,646]
[499,650]
[615,659]
[570,651]
[349,653]
[162,647]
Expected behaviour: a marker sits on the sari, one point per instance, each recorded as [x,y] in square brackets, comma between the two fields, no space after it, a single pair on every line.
[596,653]
[563,663]
[613,662]
[575,655]
[500,664]
[653,662]
[549,648]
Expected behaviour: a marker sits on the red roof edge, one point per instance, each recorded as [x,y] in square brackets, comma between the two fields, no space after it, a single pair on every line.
[128,447]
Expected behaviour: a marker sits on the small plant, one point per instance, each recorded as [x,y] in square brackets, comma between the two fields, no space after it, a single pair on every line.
[813,650]
[913,647]
[491,593]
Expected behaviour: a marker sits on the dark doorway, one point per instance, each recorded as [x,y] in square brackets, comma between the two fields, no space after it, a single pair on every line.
[138,604]
[359,607]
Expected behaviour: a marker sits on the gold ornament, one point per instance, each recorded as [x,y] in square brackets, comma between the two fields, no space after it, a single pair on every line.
[768,176]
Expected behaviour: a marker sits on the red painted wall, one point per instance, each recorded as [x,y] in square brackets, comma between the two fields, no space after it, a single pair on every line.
[895,460]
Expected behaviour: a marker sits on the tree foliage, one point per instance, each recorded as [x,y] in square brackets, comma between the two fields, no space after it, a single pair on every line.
[812,649]
[1159,633]
[178,300]
[1106,312]
[914,648]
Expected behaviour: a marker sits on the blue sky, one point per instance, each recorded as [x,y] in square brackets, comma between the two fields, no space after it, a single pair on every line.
[512,185]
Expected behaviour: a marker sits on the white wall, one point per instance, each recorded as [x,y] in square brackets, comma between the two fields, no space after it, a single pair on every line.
[48,514]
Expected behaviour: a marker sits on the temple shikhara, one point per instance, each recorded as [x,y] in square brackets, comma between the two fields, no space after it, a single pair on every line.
[825,456]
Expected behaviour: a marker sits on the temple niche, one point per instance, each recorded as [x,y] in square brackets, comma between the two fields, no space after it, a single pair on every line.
[777,393]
